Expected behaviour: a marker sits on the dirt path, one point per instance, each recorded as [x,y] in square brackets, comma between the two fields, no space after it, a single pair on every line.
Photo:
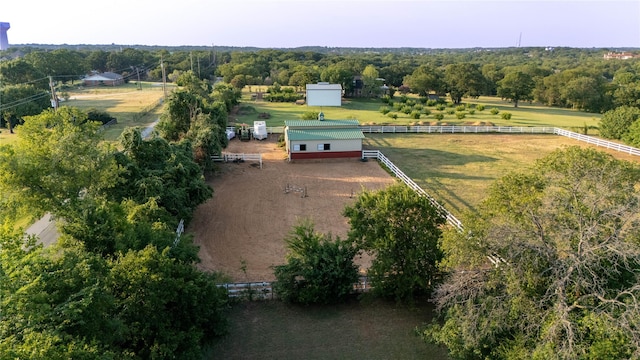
[243,225]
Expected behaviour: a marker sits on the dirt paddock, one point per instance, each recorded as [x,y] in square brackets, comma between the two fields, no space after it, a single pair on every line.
[240,230]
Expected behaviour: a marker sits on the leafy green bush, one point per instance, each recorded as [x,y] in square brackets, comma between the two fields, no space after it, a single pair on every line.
[406,109]
[418,107]
[386,99]
[384,110]
[410,102]
[506,115]
[427,112]
[461,108]
[451,111]
[310,115]
[415,114]
[472,111]
[432,102]
[495,111]
[397,106]
[438,116]
[392,115]
[422,100]
[480,107]
[460,115]
[319,270]
[441,107]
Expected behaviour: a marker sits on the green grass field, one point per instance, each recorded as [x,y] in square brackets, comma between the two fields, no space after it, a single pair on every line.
[357,330]
[458,169]
[129,105]
[366,111]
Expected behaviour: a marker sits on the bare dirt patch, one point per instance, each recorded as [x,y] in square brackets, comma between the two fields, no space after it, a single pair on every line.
[241,229]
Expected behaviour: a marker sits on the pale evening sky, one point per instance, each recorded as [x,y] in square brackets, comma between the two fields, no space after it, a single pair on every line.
[331,23]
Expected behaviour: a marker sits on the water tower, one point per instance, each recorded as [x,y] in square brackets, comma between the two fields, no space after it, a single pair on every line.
[4,42]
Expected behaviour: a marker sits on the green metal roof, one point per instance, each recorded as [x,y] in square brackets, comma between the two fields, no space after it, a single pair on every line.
[324,134]
[323,123]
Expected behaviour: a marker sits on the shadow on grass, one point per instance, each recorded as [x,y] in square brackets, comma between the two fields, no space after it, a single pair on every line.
[357,330]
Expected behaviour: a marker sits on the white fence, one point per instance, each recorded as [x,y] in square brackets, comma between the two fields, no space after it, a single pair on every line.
[237,157]
[375,154]
[264,291]
[598,142]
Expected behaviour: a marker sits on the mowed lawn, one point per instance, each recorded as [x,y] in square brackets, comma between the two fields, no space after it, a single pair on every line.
[367,112]
[458,169]
[358,330]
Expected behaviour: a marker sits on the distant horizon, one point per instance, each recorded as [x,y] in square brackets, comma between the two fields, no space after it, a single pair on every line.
[420,24]
[611,48]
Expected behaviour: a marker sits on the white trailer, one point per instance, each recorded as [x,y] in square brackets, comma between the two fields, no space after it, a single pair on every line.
[259,130]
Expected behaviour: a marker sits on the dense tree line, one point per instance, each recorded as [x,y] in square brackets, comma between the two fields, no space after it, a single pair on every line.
[118,283]
[566,77]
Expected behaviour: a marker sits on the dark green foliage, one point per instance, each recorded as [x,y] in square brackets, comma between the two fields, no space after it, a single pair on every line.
[277,94]
[100,116]
[157,169]
[319,269]
[563,239]
[615,123]
[384,110]
[506,115]
[438,116]
[402,230]
[65,302]
[415,114]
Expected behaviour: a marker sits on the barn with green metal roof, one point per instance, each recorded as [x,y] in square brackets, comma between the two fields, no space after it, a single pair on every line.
[322,139]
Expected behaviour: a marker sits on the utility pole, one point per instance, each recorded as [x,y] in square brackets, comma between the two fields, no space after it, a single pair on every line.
[191,58]
[139,83]
[54,98]
[164,78]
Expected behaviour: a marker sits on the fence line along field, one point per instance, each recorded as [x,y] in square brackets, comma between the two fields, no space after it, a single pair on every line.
[241,230]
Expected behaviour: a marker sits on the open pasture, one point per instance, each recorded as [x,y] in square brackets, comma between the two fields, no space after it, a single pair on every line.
[367,111]
[458,169]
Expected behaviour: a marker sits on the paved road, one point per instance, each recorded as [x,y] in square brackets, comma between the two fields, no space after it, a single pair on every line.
[45,228]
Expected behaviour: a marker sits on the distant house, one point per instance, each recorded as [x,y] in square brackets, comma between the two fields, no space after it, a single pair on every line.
[318,139]
[619,56]
[103,79]
[324,94]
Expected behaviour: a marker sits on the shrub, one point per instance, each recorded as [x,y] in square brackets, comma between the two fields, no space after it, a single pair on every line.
[427,112]
[392,115]
[460,115]
[432,102]
[384,110]
[410,102]
[472,111]
[480,107]
[506,115]
[386,99]
[422,100]
[440,107]
[403,98]
[415,114]
[418,107]
[450,104]
[495,111]
[438,116]
[319,270]
[397,106]
[461,108]
[406,109]
[310,115]
[451,111]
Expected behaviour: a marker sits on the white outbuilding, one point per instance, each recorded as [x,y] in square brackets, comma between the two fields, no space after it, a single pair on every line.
[324,94]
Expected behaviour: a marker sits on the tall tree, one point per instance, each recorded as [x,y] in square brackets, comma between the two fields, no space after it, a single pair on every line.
[424,80]
[615,123]
[516,86]
[402,230]
[463,79]
[57,161]
[565,278]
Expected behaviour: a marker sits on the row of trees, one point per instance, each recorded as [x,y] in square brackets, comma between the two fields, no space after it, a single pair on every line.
[117,284]
[576,78]
[548,267]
